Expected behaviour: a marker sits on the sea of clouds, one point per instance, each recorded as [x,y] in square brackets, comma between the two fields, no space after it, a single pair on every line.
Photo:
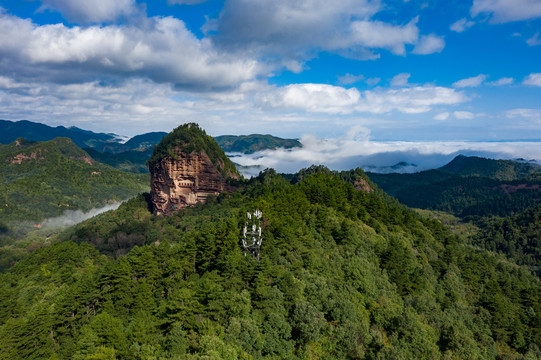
[357,150]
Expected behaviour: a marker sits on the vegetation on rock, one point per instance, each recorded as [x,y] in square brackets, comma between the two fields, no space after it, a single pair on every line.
[190,138]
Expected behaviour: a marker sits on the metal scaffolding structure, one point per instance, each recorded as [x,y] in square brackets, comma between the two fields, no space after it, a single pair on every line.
[251,240]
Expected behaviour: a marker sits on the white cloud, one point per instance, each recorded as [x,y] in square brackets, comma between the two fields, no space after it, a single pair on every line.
[470,82]
[344,153]
[533,79]
[442,116]
[463,115]
[377,34]
[349,79]
[412,100]
[461,25]
[314,98]
[321,98]
[507,10]
[162,49]
[299,29]
[373,81]
[429,44]
[502,81]
[94,11]
[533,114]
[400,79]
[534,40]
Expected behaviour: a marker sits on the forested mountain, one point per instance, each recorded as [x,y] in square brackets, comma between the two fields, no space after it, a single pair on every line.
[519,237]
[12,130]
[42,179]
[344,274]
[190,138]
[134,161]
[248,144]
[145,141]
[504,170]
[468,187]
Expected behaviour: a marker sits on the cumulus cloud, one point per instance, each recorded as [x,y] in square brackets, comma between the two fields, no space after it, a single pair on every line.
[299,29]
[162,50]
[314,98]
[461,25]
[412,100]
[348,152]
[502,11]
[429,44]
[349,79]
[128,106]
[377,34]
[94,11]
[442,116]
[533,79]
[338,100]
[470,82]
[400,79]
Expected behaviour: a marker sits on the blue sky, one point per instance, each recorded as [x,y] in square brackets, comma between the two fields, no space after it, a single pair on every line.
[397,70]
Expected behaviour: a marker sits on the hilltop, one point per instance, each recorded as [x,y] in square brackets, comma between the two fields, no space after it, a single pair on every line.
[188,166]
[503,170]
[248,144]
[42,179]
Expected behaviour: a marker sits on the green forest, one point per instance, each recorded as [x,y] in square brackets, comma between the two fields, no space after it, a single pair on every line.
[346,272]
[42,179]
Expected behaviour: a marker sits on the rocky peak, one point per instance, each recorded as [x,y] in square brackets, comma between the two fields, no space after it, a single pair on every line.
[187,166]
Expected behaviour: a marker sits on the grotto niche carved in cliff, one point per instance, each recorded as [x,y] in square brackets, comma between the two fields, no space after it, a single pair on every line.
[182,180]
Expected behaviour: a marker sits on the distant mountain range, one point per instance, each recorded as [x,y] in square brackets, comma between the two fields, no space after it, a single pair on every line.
[12,130]
[133,154]
[248,144]
[468,186]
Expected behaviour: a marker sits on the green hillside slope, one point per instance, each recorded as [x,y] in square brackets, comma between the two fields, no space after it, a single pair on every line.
[249,144]
[503,170]
[519,237]
[43,179]
[468,187]
[12,130]
[344,274]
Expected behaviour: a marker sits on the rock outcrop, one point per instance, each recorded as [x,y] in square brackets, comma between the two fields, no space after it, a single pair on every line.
[179,178]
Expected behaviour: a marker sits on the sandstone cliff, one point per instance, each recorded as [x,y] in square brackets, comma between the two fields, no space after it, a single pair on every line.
[183,174]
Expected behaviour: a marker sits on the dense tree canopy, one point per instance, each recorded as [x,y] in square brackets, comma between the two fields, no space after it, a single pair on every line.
[344,274]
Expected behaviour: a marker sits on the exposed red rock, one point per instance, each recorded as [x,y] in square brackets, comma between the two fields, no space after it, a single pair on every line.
[19,158]
[509,189]
[86,159]
[183,180]
[362,185]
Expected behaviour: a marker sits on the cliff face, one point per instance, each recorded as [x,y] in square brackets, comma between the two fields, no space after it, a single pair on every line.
[184,180]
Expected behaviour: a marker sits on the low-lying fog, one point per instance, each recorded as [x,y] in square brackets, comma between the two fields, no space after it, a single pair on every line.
[356,150]
[72,217]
